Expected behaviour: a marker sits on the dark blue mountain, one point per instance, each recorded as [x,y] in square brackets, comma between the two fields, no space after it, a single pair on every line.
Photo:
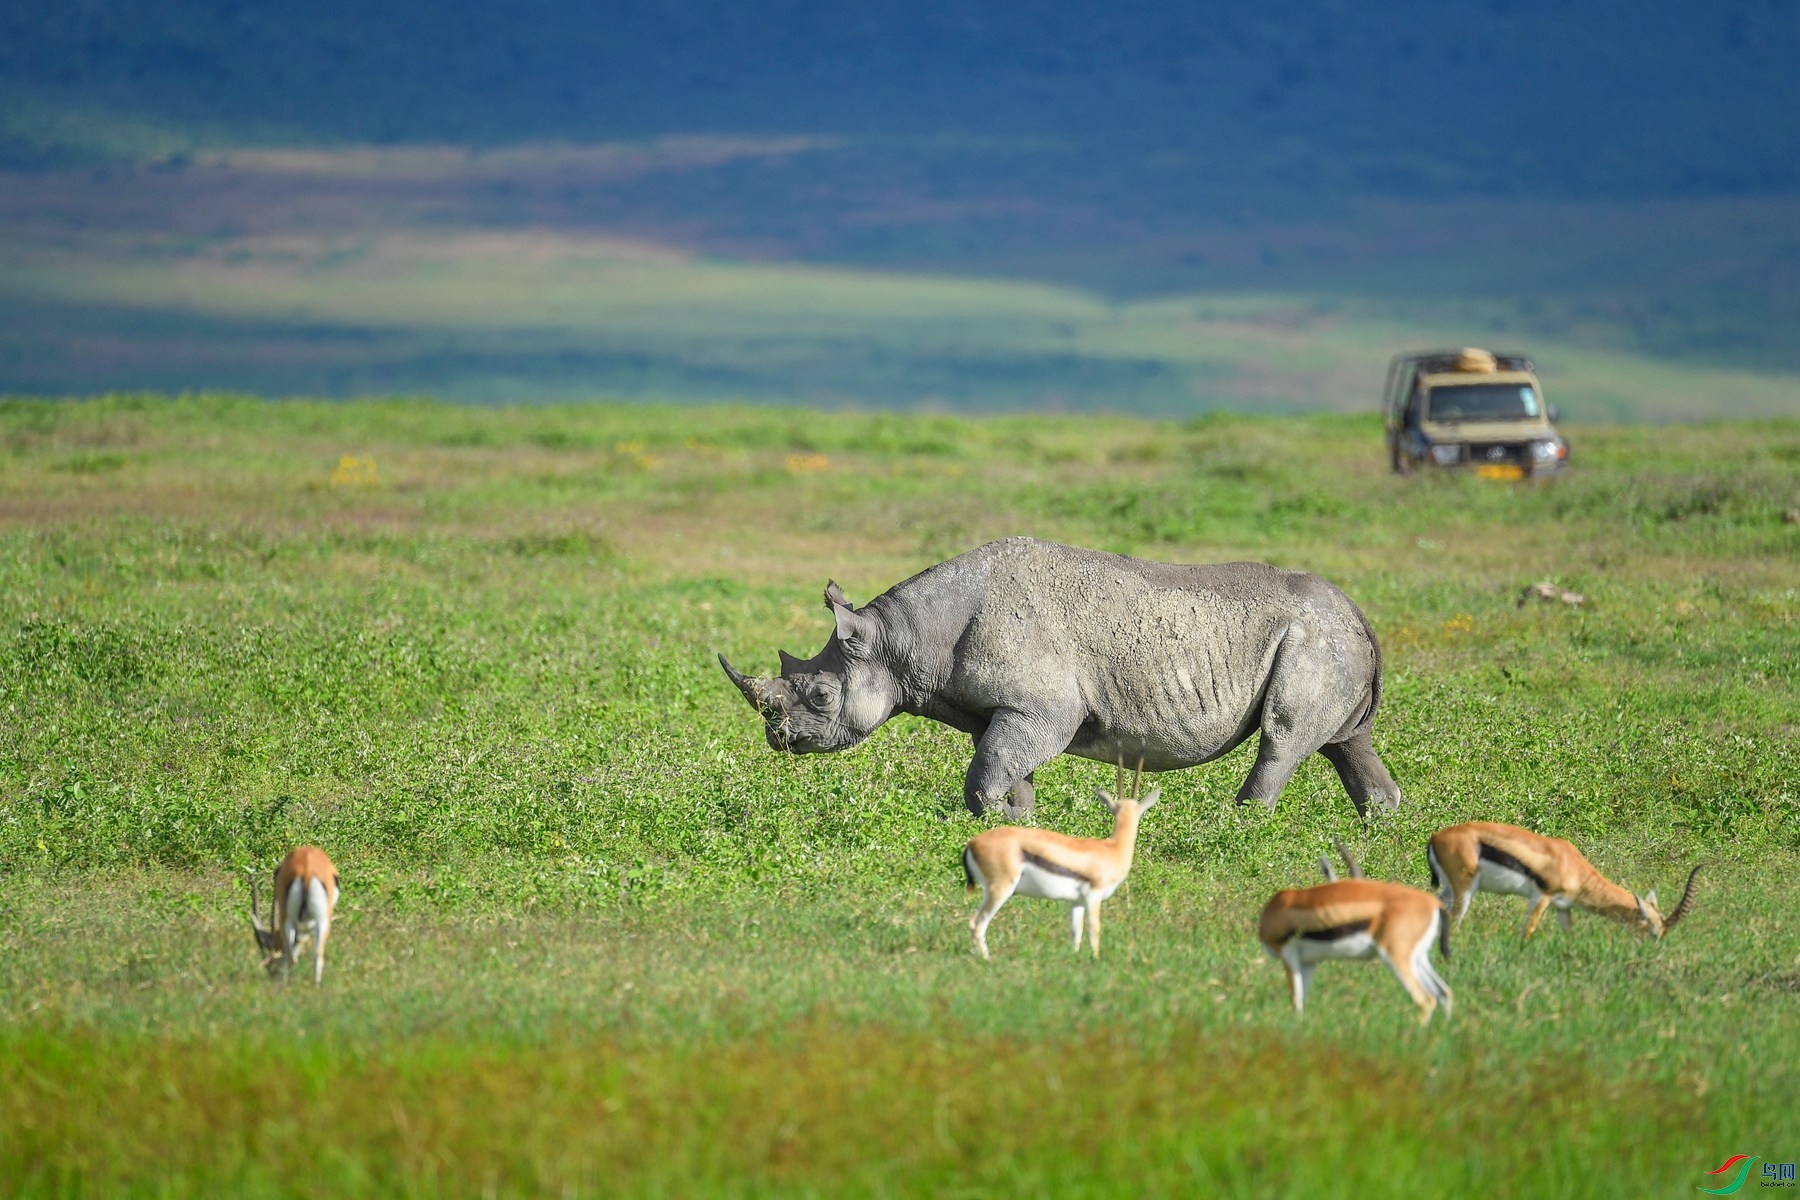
[1584,97]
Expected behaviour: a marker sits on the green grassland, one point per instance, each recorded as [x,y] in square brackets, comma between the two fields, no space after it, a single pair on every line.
[597,938]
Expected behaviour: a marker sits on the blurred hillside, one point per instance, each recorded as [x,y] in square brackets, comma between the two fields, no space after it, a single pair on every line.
[899,204]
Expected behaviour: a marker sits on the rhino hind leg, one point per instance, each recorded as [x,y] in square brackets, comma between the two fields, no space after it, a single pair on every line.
[1364,775]
[1276,761]
[1313,700]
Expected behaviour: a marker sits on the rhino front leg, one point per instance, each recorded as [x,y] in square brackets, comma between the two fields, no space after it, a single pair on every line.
[1023,797]
[1014,746]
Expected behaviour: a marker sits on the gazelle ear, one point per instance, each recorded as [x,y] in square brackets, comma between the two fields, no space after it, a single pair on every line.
[1152,798]
[1642,911]
[1107,798]
[1650,898]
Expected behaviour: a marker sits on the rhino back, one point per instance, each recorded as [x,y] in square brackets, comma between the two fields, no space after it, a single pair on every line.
[1177,653]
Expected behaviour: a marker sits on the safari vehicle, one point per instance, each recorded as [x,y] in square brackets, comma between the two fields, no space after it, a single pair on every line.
[1471,408]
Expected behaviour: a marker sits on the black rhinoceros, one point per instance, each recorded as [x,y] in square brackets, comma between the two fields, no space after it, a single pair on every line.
[1038,649]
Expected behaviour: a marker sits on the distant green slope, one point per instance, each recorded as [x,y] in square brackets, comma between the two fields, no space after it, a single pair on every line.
[676,268]
[490,318]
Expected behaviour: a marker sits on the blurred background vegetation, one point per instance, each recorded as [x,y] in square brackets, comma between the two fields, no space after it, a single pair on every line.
[1060,206]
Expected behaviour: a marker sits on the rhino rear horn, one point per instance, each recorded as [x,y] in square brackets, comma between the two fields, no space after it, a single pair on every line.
[791,665]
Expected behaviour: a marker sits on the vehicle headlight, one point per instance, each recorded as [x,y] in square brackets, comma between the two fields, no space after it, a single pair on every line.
[1443,456]
[1549,450]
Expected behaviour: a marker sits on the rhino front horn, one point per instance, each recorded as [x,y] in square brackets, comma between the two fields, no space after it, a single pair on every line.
[752,688]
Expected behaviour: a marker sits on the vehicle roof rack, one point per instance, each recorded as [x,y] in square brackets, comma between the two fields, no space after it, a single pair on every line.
[1434,362]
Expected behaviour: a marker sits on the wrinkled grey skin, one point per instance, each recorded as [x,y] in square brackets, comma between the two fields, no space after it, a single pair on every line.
[1038,649]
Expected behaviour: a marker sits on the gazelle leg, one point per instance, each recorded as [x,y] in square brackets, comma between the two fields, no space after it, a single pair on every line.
[1540,901]
[1426,973]
[1076,913]
[1299,978]
[319,935]
[1093,924]
[1463,901]
[1436,983]
[992,897]
[1421,996]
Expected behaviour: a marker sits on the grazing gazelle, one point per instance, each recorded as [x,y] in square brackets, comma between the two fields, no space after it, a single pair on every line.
[1359,918]
[306,890]
[1486,856]
[1081,872]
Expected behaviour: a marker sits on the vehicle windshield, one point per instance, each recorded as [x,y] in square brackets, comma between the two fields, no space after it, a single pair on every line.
[1483,402]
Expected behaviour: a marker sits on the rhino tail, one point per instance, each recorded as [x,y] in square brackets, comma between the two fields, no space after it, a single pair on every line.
[1367,719]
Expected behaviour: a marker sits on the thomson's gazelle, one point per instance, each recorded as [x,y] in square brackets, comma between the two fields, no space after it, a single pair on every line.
[1359,918]
[1486,856]
[306,890]
[1081,872]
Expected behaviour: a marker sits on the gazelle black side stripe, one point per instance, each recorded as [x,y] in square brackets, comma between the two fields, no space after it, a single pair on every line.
[1501,858]
[1044,864]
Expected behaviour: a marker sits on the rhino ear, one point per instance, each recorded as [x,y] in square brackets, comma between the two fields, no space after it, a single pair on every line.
[834,595]
[855,631]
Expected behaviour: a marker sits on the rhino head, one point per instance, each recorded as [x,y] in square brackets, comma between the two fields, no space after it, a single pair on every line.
[834,699]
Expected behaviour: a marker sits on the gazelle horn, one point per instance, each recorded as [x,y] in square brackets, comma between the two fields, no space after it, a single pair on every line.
[255,904]
[1687,897]
[1119,778]
[1350,863]
[1137,781]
